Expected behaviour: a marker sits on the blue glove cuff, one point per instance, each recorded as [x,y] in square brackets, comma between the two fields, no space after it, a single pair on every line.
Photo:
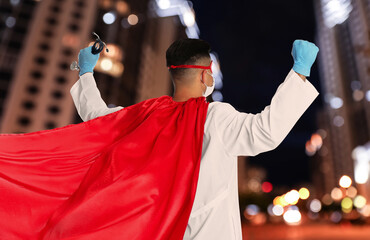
[301,70]
[83,71]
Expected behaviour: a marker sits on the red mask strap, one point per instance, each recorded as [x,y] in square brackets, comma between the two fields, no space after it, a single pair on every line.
[192,66]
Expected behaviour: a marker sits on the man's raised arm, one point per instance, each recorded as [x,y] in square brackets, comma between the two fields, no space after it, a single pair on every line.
[85,93]
[87,98]
[249,134]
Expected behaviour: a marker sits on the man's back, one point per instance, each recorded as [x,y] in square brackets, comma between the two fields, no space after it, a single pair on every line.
[227,134]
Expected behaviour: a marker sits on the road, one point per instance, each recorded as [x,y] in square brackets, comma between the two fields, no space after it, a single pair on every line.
[306,232]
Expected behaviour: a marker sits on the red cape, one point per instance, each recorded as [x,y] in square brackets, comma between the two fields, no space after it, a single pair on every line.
[131,174]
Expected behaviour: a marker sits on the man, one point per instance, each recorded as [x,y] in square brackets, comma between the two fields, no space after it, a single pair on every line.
[227,132]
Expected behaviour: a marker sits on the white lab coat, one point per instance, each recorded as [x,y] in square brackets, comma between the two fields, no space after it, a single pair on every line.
[228,133]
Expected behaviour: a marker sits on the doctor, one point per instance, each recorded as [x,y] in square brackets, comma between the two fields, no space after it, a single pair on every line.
[228,133]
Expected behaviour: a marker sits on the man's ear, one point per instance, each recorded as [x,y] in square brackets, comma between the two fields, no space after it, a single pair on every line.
[202,75]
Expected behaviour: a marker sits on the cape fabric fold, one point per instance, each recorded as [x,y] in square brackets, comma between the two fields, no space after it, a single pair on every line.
[131,174]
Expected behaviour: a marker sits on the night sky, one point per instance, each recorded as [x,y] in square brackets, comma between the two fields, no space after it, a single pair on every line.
[253,40]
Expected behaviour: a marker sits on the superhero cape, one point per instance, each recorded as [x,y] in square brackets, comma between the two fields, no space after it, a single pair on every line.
[131,174]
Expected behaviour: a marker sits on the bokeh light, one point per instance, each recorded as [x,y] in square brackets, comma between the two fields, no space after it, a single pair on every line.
[345,181]
[359,201]
[315,205]
[304,193]
[109,18]
[292,216]
[266,187]
[336,194]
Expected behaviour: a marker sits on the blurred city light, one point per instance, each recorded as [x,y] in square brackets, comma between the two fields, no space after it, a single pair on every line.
[335,216]
[278,210]
[133,19]
[316,140]
[122,7]
[326,199]
[189,18]
[304,193]
[109,18]
[266,187]
[358,95]
[359,201]
[14,2]
[351,192]
[347,205]
[217,96]
[335,11]
[252,209]
[336,194]
[361,157]
[338,121]
[365,211]
[336,102]
[368,95]
[345,181]
[10,22]
[292,197]
[315,205]
[292,216]
[106,64]
[164,4]
[355,85]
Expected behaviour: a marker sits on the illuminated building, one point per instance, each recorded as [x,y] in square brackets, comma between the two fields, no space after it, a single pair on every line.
[343,39]
[137,34]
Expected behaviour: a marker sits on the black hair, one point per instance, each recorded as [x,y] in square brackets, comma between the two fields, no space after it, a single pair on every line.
[186,51]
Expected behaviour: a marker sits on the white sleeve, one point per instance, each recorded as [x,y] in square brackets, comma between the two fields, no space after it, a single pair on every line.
[246,134]
[87,98]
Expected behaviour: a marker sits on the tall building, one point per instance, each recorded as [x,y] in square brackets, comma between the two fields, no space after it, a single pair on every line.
[38,97]
[15,22]
[137,34]
[344,42]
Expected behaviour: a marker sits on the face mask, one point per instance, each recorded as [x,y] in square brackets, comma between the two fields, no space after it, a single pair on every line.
[209,90]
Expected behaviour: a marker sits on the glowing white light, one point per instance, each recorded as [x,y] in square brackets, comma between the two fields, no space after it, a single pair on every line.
[278,210]
[368,95]
[362,171]
[189,18]
[217,96]
[335,11]
[360,154]
[109,18]
[132,19]
[292,197]
[10,22]
[292,217]
[345,181]
[315,205]
[164,4]
[338,121]
[106,64]
[336,102]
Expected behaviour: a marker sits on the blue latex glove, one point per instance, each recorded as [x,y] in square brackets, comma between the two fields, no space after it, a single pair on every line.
[304,54]
[87,60]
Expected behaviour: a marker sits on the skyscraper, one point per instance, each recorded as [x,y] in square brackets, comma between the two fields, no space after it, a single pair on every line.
[137,34]
[343,39]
